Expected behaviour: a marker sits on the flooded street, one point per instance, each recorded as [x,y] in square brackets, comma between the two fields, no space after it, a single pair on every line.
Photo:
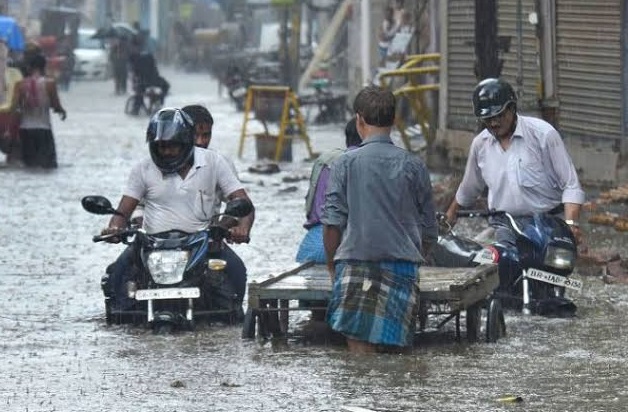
[58,354]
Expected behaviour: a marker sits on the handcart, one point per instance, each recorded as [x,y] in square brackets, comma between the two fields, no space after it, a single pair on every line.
[445,294]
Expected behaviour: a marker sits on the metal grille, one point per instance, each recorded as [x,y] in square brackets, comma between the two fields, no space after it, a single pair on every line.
[528,89]
[460,64]
[588,36]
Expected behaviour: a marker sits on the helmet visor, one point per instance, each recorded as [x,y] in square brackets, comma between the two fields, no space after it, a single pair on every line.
[169,126]
[487,111]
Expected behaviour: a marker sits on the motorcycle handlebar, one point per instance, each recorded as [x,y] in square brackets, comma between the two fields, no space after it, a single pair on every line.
[490,213]
[122,234]
[479,213]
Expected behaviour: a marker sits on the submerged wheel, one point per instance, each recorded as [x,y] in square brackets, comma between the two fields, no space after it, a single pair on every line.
[162,328]
[473,318]
[248,326]
[108,314]
[495,323]
[128,106]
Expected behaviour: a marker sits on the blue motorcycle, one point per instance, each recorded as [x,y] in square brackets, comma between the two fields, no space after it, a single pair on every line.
[534,274]
[177,277]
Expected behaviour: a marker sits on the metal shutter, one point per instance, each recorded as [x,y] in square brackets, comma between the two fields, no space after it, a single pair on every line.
[588,37]
[531,70]
[460,64]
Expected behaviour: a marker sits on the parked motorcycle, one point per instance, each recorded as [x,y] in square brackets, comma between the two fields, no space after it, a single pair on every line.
[534,274]
[178,277]
[238,78]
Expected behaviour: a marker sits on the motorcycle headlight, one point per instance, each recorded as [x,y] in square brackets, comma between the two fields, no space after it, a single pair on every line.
[559,258]
[167,266]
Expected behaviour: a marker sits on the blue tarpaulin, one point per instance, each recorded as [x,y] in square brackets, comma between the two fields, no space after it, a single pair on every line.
[10,33]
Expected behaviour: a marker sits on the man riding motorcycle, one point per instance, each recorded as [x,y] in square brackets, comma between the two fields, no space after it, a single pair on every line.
[521,160]
[178,185]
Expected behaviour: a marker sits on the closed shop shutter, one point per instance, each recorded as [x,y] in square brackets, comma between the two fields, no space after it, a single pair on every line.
[460,64]
[529,89]
[588,39]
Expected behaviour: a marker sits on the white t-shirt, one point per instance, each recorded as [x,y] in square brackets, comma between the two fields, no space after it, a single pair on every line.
[220,196]
[184,204]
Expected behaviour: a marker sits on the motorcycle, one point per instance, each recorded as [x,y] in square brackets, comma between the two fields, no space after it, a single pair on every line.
[177,277]
[534,274]
[238,78]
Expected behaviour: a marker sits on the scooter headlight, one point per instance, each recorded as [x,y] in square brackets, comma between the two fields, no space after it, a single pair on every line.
[167,266]
[559,258]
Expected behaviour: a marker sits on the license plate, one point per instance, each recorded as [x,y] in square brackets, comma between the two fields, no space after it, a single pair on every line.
[554,279]
[167,293]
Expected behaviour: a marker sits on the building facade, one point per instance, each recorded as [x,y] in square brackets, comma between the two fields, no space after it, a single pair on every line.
[567,61]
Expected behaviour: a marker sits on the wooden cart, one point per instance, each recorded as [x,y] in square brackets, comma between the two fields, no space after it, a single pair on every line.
[444,294]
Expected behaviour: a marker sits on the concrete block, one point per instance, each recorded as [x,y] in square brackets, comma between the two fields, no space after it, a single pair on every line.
[596,164]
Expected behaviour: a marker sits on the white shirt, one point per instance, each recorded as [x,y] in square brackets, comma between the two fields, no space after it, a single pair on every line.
[535,174]
[220,196]
[184,204]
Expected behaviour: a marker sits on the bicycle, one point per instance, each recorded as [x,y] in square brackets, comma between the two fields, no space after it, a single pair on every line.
[151,102]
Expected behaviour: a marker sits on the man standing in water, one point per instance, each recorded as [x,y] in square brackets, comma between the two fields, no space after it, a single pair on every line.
[379,221]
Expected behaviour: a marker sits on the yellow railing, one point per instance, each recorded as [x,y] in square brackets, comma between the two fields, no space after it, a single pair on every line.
[414,91]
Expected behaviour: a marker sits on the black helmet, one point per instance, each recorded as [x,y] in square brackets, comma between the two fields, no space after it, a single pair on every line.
[175,126]
[491,97]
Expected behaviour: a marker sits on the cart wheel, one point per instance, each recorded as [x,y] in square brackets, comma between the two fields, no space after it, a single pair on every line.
[495,324]
[422,315]
[108,314]
[273,325]
[473,322]
[262,325]
[248,326]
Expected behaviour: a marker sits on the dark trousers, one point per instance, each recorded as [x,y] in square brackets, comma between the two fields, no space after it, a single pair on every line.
[120,77]
[122,271]
[38,148]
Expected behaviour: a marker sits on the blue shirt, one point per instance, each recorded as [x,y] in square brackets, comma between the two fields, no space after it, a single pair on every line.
[535,174]
[380,197]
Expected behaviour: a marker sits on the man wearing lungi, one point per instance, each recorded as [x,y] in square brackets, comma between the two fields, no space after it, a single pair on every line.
[379,221]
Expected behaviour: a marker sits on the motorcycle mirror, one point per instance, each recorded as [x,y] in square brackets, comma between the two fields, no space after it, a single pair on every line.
[238,207]
[98,205]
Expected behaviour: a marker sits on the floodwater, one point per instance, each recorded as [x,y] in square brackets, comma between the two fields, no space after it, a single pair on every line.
[58,354]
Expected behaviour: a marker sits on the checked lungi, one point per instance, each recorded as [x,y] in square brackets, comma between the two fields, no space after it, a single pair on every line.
[375,302]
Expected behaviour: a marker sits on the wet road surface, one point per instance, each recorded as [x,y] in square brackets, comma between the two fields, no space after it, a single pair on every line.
[58,354]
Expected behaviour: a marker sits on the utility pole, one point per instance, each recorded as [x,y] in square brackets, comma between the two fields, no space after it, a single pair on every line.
[487,62]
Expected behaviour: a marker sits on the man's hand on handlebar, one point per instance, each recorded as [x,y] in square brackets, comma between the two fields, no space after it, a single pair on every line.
[445,221]
[238,234]
[110,231]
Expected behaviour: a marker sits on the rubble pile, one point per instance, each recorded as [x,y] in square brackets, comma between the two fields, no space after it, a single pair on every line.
[608,209]
[618,195]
